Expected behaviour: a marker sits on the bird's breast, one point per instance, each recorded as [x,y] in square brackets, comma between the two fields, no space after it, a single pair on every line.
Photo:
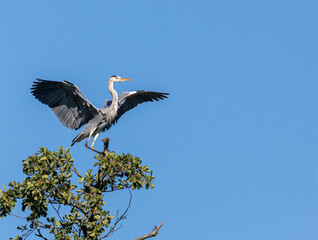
[110,114]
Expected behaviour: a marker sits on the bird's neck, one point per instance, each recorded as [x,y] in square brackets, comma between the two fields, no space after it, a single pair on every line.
[114,94]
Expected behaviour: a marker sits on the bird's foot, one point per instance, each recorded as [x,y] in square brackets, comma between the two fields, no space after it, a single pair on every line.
[92,149]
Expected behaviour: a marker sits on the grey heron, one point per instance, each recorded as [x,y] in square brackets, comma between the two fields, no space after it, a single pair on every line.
[74,110]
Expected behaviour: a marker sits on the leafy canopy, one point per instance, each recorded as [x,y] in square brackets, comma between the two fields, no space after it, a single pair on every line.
[79,209]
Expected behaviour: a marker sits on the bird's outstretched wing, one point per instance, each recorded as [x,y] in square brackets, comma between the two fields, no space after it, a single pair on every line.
[67,102]
[129,100]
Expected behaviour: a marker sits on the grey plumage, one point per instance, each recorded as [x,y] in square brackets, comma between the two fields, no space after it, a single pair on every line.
[74,110]
[67,102]
[129,100]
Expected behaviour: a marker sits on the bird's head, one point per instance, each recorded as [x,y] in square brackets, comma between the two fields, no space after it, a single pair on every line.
[118,79]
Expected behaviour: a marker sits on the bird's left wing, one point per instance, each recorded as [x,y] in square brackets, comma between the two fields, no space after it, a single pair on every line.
[129,100]
[67,102]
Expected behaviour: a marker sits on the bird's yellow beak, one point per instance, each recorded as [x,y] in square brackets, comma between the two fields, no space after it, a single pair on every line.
[125,79]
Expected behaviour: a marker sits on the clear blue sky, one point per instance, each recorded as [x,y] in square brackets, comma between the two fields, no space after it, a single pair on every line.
[234,148]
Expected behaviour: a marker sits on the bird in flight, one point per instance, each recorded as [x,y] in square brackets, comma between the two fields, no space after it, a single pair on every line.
[74,110]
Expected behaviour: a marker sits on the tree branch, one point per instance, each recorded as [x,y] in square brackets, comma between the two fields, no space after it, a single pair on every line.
[106,143]
[123,216]
[77,173]
[39,234]
[17,216]
[58,212]
[152,234]
[27,234]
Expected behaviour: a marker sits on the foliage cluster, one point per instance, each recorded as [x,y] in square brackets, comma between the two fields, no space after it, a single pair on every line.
[79,210]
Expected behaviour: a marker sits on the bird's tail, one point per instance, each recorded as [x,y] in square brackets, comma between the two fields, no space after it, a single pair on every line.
[78,138]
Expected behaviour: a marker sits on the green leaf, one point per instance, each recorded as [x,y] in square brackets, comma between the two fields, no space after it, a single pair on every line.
[69,198]
[43,158]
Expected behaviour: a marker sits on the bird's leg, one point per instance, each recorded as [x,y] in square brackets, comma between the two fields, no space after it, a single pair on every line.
[89,137]
[96,136]
[91,148]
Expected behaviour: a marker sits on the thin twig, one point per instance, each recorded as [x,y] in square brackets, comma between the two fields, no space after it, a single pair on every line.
[57,211]
[17,216]
[113,228]
[152,234]
[77,173]
[27,234]
[40,234]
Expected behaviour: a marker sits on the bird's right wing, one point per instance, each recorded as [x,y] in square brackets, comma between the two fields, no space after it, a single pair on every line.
[67,102]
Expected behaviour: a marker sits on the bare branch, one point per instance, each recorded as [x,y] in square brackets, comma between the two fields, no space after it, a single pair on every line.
[17,216]
[39,234]
[106,143]
[57,211]
[77,173]
[38,229]
[122,217]
[27,234]
[152,234]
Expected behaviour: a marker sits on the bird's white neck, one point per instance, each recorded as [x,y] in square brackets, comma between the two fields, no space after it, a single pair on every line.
[114,94]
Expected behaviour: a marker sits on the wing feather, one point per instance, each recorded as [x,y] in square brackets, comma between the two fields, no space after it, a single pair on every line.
[129,100]
[70,106]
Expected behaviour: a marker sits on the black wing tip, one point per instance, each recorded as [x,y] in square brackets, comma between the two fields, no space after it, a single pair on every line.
[162,96]
[38,80]
[37,83]
[158,95]
[162,93]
